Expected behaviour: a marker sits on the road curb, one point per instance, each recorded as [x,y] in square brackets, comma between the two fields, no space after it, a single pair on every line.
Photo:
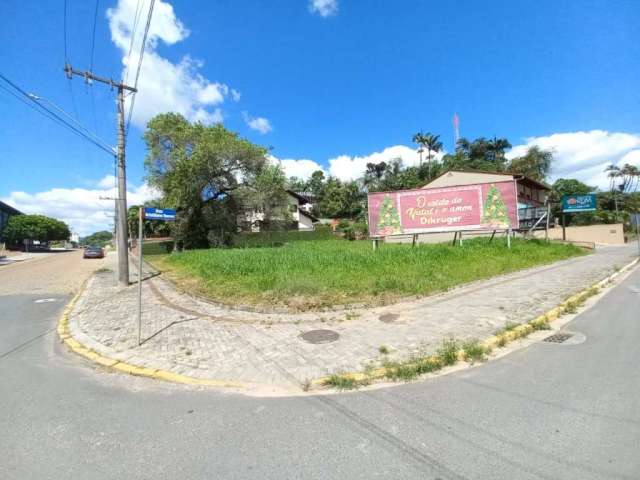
[123,367]
[492,342]
[168,376]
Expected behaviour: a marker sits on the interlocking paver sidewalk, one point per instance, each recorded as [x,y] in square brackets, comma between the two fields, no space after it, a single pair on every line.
[193,337]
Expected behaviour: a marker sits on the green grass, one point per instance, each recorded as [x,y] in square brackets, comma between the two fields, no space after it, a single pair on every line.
[316,273]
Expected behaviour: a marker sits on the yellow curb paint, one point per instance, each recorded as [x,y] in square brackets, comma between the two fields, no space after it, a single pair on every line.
[123,367]
[491,342]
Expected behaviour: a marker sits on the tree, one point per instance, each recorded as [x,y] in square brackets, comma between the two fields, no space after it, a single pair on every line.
[34,227]
[100,238]
[495,151]
[535,164]
[200,169]
[268,195]
[341,199]
[431,143]
[419,139]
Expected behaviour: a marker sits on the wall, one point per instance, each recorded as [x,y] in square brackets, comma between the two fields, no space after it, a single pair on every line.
[604,234]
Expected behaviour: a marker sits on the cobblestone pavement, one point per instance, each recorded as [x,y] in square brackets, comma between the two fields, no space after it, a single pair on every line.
[193,337]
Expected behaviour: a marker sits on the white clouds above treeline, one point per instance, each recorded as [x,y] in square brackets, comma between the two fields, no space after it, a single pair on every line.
[584,155]
[581,155]
[81,208]
[165,86]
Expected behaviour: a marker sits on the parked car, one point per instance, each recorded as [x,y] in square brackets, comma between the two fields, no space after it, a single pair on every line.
[93,252]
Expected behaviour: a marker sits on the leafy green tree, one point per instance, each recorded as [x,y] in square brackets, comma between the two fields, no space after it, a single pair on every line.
[341,199]
[100,238]
[535,164]
[268,195]
[200,171]
[429,142]
[34,227]
[495,152]
[316,183]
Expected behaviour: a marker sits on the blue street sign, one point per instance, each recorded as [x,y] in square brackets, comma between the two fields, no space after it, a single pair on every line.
[578,203]
[163,214]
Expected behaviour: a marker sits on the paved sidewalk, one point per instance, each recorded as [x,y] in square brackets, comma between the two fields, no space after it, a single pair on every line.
[192,337]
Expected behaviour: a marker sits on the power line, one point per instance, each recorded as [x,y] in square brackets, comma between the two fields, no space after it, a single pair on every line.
[77,128]
[142,49]
[134,27]
[93,35]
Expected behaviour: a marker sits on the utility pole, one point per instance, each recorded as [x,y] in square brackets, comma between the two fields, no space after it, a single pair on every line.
[122,231]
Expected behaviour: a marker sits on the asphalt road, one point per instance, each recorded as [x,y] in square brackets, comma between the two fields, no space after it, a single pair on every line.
[547,411]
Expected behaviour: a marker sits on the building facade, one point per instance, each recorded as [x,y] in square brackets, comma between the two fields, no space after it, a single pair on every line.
[6,211]
[297,204]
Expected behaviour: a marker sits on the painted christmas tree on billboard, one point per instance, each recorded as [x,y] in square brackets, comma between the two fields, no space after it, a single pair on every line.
[495,211]
[389,219]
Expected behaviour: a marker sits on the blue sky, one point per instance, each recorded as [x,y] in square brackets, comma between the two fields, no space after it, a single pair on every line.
[328,84]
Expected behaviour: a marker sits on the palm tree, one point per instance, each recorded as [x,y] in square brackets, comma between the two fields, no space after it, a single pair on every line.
[614,173]
[433,144]
[419,139]
[497,146]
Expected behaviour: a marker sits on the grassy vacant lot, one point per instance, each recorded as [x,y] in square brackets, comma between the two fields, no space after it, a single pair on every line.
[317,273]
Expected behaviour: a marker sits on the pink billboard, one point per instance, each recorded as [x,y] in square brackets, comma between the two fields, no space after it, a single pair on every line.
[484,206]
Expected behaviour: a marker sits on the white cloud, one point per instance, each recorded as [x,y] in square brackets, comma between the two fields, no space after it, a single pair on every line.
[346,167]
[81,208]
[302,168]
[235,95]
[584,155]
[324,8]
[163,86]
[259,124]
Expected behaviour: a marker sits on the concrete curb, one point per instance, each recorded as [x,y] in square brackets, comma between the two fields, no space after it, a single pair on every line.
[492,342]
[123,367]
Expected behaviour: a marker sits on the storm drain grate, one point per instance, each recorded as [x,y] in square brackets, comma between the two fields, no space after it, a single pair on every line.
[558,337]
[320,336]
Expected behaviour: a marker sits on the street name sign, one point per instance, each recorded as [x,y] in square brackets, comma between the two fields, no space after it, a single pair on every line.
[162,214]
[578,203]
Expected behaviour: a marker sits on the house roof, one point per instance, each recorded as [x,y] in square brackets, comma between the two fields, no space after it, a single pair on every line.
[307,214]
[301,198]
[9,209]
[519,178]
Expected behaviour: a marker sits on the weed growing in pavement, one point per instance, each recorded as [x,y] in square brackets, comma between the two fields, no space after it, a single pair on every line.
[448,351]
[540,324]
[383,349]
[344,382]
[502,341]
[507,327]
[103,270]
[474,351]
[306,385]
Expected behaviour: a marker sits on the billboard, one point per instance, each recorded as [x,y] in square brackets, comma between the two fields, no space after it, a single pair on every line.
[578,203]
[484,206]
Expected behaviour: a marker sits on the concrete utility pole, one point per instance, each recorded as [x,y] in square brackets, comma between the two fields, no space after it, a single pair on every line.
[122,231]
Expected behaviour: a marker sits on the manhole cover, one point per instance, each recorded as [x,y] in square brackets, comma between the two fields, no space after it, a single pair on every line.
[558,337]
[389,317]
[320,336]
